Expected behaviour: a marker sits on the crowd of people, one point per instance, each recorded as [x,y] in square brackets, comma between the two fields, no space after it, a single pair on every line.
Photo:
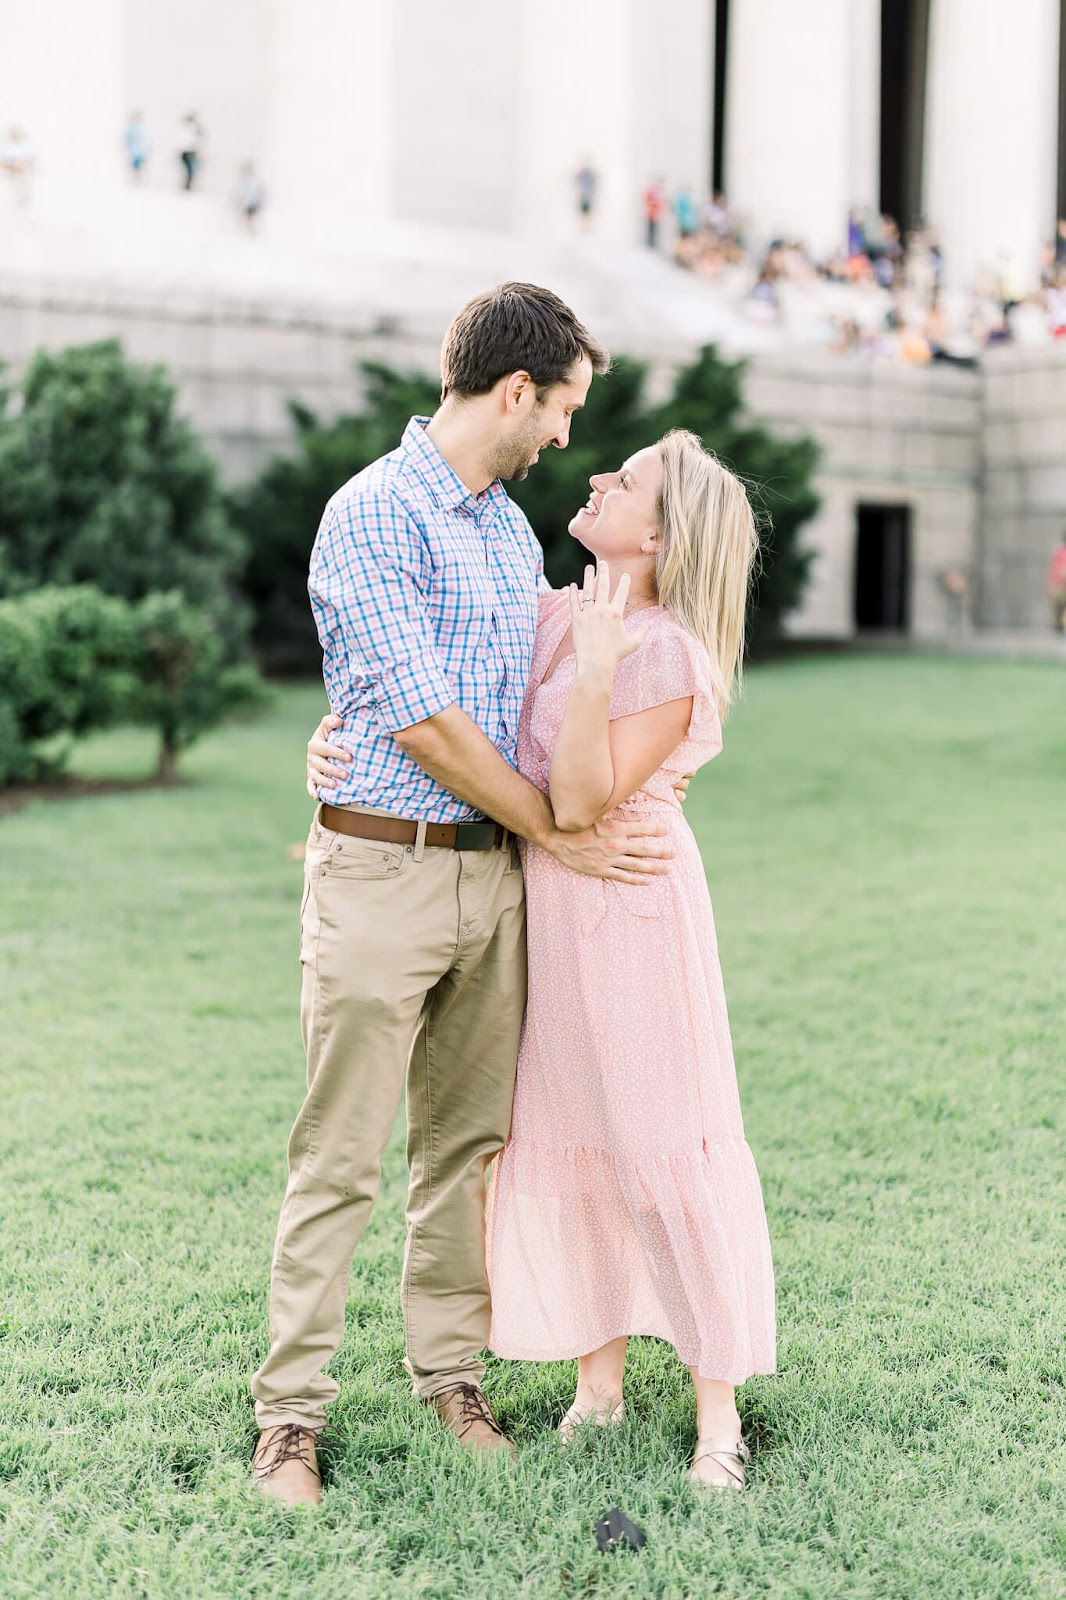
[18,163]
[899,307]
[890,299]
[895,305]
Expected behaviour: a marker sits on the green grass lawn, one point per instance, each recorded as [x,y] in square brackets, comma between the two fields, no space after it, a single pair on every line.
[886,844]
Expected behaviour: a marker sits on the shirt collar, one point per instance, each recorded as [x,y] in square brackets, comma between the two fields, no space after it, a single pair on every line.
[422,454]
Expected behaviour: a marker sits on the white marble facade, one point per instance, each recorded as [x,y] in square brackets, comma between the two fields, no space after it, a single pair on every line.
[478,112]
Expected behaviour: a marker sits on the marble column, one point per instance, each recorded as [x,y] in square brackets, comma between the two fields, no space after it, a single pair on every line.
[623,86]
[803,113]
[991,134]
[333,91]
[214,60]
[864,104]
[60,81]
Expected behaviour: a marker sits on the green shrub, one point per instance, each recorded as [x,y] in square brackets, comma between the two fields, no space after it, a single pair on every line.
[67,667]
[74,660]
[280,511]
[102,482]
[184,686]
[13,755]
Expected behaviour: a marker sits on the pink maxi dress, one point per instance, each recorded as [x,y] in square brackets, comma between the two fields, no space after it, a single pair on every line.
[626,1200]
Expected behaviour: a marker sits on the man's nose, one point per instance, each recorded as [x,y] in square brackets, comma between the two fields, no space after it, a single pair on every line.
[562,438]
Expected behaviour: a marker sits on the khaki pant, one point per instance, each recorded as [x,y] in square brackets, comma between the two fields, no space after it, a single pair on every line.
[413,966]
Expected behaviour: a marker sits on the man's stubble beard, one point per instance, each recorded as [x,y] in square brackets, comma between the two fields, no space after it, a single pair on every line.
[511,461]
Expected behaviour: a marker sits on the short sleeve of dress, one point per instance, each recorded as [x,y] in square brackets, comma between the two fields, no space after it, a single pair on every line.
[548,600]
[670,665]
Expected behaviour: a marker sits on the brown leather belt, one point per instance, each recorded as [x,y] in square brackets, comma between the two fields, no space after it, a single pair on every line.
[397,830]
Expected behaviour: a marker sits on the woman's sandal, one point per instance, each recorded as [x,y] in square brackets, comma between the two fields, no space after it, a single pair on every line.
[732,1458]
[577,1418]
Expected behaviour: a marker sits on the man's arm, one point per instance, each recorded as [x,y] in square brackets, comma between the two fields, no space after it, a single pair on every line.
[365,585]
[454,751]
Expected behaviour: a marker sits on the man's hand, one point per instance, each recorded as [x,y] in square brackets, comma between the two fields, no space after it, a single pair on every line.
[326,763]
[632,851]
[681,786]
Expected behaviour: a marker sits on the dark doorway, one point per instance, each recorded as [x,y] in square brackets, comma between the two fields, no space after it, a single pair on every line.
[904,50]
[883,568]
[721,58]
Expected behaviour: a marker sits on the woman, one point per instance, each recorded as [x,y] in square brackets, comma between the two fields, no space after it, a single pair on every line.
[626,1200]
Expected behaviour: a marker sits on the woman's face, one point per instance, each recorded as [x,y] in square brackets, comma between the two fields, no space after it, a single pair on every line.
[620,519]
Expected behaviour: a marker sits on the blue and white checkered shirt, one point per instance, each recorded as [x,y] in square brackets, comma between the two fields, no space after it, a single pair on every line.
[425,596]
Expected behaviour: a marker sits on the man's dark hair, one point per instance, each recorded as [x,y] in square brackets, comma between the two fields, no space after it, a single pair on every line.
[515,328]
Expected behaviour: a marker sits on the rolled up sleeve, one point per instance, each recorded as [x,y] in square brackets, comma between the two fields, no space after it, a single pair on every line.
[365,583]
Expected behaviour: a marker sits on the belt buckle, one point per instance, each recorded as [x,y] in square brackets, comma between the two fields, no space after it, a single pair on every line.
[475,835]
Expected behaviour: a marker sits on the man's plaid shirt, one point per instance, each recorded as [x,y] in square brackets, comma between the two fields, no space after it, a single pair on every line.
[425,596]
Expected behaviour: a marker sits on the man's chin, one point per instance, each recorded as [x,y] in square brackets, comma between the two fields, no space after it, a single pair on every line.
[518,473]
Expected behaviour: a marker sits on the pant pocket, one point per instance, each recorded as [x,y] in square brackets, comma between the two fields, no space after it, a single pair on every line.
[310,921]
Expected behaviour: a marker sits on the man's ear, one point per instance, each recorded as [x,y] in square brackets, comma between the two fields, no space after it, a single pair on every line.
[518,390]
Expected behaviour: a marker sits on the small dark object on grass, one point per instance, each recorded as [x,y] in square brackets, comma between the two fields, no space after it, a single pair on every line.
[614,1531]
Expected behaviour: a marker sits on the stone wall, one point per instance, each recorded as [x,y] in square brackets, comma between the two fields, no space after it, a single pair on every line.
[1023,501]
[236,364]
[979,457]
[889,436]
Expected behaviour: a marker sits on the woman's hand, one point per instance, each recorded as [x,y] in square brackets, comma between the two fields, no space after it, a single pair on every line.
[326,763]
[601,638]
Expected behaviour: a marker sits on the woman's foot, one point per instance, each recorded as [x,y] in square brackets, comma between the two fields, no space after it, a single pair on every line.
[597,1410]
[718,1463]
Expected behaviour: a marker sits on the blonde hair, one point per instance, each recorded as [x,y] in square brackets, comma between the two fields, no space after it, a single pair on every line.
[706,554]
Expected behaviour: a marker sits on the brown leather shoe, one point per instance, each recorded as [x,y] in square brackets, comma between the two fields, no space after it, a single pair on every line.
[285,1465]
[465,1412]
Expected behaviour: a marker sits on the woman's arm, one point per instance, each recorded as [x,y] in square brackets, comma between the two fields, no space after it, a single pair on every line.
[629,739]
[597,764]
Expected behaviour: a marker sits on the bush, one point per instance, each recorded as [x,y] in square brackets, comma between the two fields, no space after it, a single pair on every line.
[73,661]
[101,482]
[184,686]
[68,665]
[280,511]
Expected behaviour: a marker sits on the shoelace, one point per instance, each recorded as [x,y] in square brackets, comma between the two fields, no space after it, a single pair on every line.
[288,1445]
[473,1408]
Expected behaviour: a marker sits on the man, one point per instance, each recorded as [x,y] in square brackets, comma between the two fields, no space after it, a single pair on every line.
[424,580]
